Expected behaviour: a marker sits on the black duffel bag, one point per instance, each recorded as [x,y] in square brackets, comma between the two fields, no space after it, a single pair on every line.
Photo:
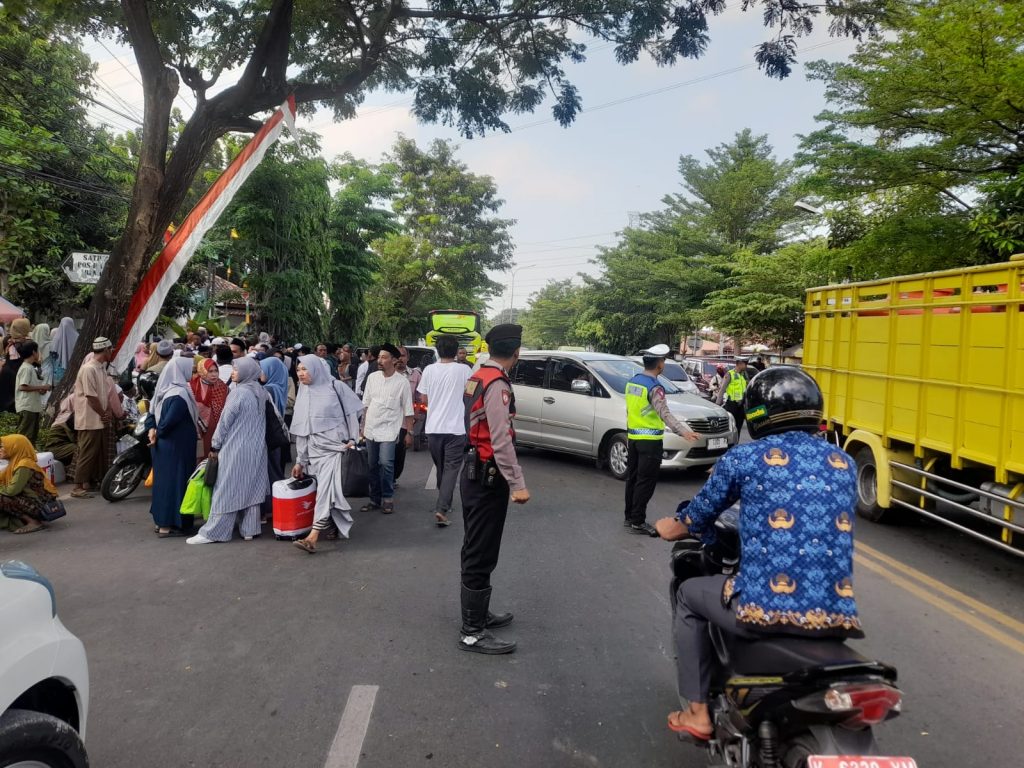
[355,473]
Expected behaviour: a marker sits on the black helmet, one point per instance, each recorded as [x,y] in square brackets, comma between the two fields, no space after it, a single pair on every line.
[782,399]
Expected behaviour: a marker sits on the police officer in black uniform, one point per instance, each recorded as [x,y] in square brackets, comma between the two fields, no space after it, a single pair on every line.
[490,476]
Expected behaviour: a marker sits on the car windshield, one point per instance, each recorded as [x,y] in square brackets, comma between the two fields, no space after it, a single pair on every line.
[616,373]
[674,371]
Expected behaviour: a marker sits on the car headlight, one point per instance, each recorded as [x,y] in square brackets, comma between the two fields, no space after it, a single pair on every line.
[16,569]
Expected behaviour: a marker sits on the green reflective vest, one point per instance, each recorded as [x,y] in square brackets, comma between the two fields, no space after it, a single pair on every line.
[642,421]
[737,386]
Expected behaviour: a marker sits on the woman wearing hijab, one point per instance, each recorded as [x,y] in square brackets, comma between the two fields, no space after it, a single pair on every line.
[173,423]
[325,425]
[240,446]
[41,336]
[210,394]
[64,341]
[275,383]
[24,486]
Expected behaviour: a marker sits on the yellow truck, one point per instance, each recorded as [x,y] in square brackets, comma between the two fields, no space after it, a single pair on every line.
[923,377]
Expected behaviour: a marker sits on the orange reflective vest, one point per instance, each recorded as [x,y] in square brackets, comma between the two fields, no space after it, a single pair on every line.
[478,430]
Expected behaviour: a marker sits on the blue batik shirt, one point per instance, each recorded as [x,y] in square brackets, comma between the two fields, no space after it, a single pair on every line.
[797,496]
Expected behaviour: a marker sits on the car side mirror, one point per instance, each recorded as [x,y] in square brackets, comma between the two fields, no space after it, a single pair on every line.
[581,387]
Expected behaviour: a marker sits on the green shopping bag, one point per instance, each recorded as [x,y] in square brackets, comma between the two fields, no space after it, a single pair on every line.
[198,496]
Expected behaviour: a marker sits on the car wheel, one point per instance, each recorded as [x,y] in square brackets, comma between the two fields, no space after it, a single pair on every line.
[34,740]
[618,456]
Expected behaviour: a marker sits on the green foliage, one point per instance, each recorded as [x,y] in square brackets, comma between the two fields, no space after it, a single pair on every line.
[61,187]
[927,117]
[449,238]
[764,301]
[552,317]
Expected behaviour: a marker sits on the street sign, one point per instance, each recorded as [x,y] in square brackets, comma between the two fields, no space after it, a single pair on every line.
[85,268]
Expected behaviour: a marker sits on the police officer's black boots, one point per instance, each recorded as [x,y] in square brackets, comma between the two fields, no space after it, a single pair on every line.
[475,636]
[498,620]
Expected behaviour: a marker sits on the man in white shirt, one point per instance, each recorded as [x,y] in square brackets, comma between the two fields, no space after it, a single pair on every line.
[388,403]
[442,386]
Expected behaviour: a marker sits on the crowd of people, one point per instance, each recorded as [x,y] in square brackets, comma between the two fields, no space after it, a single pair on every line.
[212,401]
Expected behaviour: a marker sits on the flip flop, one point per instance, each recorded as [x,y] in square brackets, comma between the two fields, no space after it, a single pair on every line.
[82,495]
[305,545]
[441,521]
[369,507]
[689,730]
[29,528]
[169,534]
[388,508]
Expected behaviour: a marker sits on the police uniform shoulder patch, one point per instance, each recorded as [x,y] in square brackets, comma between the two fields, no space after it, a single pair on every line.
[506,396]
[471,386]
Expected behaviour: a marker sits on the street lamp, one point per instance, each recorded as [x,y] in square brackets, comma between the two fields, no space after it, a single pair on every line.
[512,289]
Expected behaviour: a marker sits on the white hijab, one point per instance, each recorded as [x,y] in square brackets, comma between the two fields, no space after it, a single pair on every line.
[64,341]
[318,405]
[174,382]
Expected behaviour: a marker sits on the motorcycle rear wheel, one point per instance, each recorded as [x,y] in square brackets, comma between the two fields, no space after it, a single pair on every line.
[121,481]
[796,751]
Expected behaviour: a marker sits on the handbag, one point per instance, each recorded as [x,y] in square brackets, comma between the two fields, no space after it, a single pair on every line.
[52,510]
[210,476]
[355,473]
[277,435]
[198,495]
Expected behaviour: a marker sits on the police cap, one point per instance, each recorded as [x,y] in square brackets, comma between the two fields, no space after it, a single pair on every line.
[658,350]
[503,332]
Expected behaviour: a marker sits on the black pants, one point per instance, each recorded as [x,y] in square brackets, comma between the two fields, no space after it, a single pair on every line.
[483,514]
[400,453]
[735,409]
[644,462]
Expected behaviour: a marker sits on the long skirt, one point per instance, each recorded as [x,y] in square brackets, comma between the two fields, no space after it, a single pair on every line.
[325,451]
[221,525]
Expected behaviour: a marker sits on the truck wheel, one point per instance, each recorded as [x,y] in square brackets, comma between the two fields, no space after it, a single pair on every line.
[32,738]
[617,455]
[867,487]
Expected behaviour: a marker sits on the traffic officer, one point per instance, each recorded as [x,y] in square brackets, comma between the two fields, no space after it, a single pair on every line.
[731,395]
[647,415]
[490,475]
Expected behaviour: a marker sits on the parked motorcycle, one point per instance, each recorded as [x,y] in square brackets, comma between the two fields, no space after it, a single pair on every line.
[787,702]
[132,465]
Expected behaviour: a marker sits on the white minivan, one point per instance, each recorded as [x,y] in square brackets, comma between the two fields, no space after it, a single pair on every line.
[574,402]
[44,676]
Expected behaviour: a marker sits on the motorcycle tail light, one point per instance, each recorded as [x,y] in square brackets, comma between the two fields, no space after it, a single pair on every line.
[869,704]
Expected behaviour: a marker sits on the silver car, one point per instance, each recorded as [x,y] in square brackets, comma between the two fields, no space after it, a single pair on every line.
[574,402]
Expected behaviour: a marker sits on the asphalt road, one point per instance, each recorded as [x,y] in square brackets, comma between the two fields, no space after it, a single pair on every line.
[245,654]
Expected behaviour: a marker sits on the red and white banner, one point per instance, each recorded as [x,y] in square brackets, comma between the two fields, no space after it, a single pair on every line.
[165,271]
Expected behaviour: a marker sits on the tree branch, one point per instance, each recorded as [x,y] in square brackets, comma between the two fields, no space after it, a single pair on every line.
[266,52]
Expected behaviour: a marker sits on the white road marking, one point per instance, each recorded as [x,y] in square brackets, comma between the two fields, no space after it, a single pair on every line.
[348,741]
[431,480]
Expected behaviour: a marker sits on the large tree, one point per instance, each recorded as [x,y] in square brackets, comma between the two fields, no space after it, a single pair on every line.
[931,113]
[449,237]
[469,64]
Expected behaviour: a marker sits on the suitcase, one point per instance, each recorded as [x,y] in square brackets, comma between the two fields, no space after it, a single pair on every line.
[293,507]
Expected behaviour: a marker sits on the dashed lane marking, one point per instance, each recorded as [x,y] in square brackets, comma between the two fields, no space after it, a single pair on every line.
[348,741]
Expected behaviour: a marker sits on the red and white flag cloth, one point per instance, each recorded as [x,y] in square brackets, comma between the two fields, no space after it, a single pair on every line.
[165,271]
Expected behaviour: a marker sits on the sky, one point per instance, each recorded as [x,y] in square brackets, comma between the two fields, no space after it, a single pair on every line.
[572,189]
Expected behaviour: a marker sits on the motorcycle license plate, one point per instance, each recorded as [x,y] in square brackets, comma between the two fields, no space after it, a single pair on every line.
[715,443]
[851,761]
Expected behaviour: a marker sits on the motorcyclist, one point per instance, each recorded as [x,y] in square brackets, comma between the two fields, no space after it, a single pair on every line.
[797,497]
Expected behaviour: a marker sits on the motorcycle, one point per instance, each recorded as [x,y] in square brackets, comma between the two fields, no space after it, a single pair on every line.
[787,702]
[132,465]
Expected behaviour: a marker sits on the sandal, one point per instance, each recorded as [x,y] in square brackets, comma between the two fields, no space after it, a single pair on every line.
[687,730]
[81,494]
[169,534]
[30,528]
[441,520]
[388,508]
[370,507]
[306,545]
